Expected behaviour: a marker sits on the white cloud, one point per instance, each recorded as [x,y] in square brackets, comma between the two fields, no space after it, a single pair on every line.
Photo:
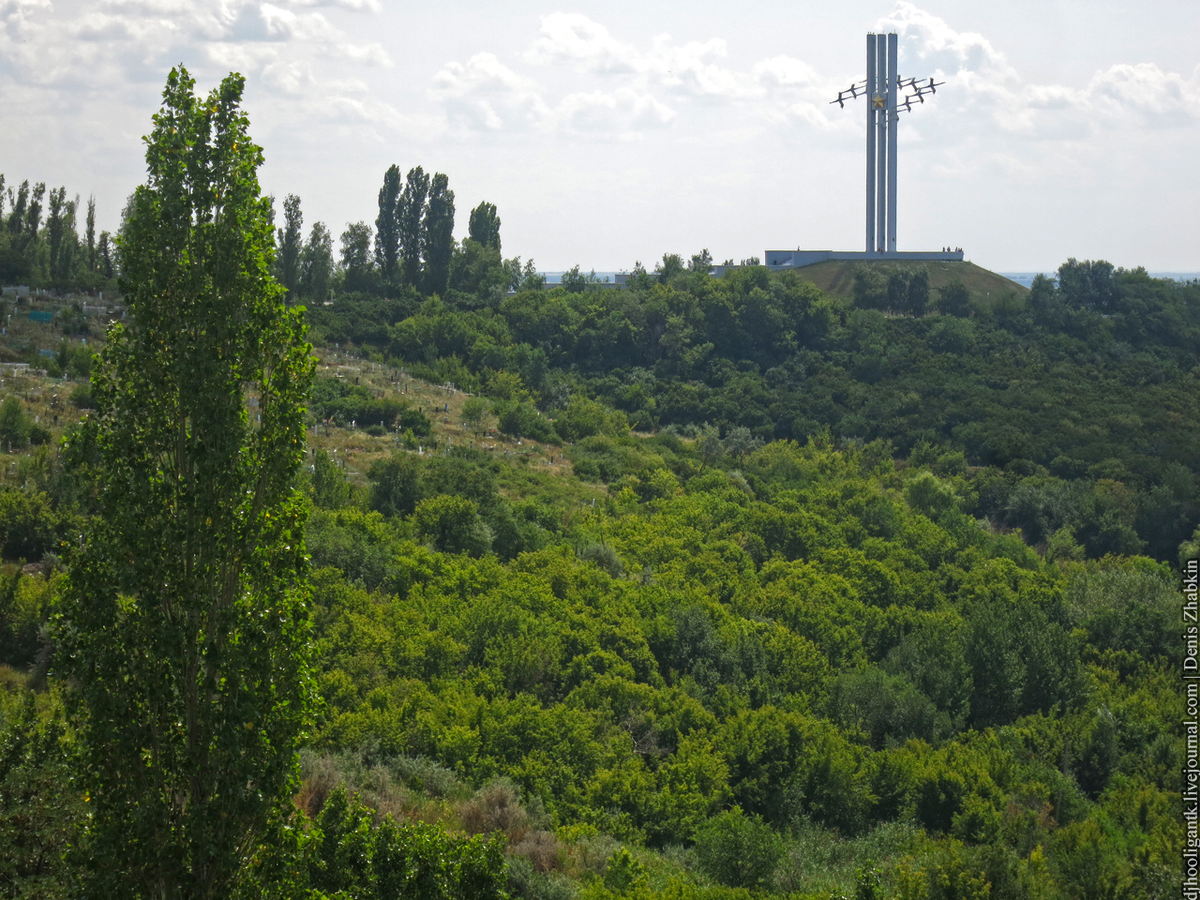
[22,26]
[371,54]
[155,33]
[16,12]
[787,72]
[985,89]
[1146,91]
[486,95]
[691,69]
[574,39]
[86,74]
[929,40]
[623,113]
[371,6]
[288,76]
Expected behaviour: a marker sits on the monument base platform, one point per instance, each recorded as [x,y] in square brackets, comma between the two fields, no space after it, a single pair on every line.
[796,259]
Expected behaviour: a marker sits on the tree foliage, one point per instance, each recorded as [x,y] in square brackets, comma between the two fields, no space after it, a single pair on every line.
[291,243]
[438,235]
[185,625]
[387,225]
[410,216]
[484,226]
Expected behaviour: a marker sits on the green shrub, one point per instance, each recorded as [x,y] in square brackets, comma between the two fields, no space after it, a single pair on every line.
[14,424]
[739,851]
[81,396]
[521,419]
[400,861]
[28,525]
[452,525]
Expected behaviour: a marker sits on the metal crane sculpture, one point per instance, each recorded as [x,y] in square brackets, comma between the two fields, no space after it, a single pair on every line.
[881,87]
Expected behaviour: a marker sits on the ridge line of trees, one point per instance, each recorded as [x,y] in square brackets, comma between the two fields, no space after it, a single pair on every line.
[40,244]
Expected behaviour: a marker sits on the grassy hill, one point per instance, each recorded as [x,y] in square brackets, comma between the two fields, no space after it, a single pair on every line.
[836,276]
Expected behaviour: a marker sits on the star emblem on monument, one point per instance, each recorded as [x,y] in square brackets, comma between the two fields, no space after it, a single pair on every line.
[879,101]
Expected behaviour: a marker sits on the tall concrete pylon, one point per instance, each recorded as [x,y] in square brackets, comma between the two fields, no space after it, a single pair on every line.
[882,89]
[882,117]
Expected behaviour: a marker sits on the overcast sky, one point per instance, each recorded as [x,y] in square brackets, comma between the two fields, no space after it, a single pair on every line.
[613,132]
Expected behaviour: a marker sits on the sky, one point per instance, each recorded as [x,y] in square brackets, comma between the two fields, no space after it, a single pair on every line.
[613,132]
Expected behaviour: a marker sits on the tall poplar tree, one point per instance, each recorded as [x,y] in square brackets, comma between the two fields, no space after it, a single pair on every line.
[55,229]
[33,215]
[411,215]
[69,252]
[184,628]
[438,234]
[291,243]
[484,225]
[90,234]
[16,216]
[357,271]
[316,264]
[104,261]
[387,225]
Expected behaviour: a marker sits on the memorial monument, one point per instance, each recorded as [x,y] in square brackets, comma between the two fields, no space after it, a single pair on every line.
[882,89]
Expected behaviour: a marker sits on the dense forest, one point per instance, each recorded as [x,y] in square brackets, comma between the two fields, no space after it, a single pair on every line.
[1068,409]
[700,587]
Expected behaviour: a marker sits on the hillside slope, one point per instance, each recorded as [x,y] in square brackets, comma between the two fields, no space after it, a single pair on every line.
[836,277]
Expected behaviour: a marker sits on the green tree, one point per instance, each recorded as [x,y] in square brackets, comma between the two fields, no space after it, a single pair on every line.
[387,234]
[330,488]
[23,223]
[55,227]
[479,270]
[356,257]
[68,255]
[954,299]
[671,265]
[1088,284]
[394,488]
[484,226]
[29,526]
[870,287]
[291,243]
[410,214]
[897,291]
[16,215]
[184,625]
[917,295]
[739,851]
[399,860]
[90,234]
[104,254]
[40,814]
[33,221]
[14,424]
[474,409]
[575,282]
[452,525]
[438,235]
[316,263]
[1190,550]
